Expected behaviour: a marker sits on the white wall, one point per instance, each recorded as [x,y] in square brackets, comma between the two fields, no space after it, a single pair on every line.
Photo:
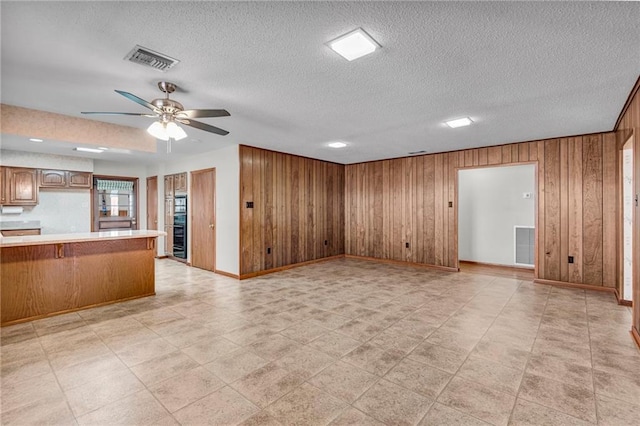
[226,161]
[490,204]
[59,211]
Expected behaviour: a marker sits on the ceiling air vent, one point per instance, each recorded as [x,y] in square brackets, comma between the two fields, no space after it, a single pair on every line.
[143,56]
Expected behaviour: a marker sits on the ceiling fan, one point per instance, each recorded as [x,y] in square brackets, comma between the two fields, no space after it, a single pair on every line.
[169,112]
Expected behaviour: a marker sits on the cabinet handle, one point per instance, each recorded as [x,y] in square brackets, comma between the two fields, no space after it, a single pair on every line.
[59,251]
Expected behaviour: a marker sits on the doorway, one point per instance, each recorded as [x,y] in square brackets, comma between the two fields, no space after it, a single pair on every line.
[497,216]
[203,219]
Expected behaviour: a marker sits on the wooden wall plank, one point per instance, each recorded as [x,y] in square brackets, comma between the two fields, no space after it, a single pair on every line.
[552,209]
[610,193]
[564,211]
[574,208]
[494,155]
[541,255]
[438,208]
[506,153]
[592,209]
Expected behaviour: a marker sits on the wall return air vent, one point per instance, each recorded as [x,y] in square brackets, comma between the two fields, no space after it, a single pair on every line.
[158,61]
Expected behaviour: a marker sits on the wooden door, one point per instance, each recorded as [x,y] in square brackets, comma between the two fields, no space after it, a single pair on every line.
[152,204]
[203,219]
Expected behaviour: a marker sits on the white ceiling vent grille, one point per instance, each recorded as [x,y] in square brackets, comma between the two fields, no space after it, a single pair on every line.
[143,56]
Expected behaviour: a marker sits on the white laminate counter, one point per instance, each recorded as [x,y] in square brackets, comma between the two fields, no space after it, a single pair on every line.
[36,240]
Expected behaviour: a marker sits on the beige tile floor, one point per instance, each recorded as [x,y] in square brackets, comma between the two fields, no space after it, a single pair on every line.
[343,342]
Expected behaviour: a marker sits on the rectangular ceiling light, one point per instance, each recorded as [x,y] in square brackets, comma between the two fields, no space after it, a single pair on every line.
[81,149]
[460,122]
[354,45]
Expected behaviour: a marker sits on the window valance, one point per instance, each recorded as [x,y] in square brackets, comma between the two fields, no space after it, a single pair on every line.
[114,185]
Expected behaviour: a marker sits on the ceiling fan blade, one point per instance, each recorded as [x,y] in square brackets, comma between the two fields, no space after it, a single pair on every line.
[120,113]
[137,100]
[203,126]
[203,113]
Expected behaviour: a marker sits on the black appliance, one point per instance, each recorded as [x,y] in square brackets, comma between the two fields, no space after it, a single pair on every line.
[180,227]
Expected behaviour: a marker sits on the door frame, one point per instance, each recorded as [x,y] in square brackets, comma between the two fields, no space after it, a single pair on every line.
[94,199]
[536,207]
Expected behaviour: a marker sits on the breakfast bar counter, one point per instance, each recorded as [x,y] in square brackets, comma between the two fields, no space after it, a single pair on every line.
[43,275]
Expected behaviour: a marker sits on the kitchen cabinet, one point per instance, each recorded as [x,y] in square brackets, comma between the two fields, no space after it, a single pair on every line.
[3,191]
[21,186]
[62,179]
[20,232]
[168,225]
[53,179]
[79,179]
[169,191]
[180,182]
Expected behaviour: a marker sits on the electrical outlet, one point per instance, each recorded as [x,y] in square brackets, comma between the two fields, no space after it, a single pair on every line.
[268,250]
[326,242]
[570,259]
[406,245]
[249,204]
[450,203]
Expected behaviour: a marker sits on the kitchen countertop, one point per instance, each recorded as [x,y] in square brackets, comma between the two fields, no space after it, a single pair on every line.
[19,225]
[36,240]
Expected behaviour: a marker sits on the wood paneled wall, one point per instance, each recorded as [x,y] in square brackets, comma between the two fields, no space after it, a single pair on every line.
[630,124]
[298,204]
[413,200]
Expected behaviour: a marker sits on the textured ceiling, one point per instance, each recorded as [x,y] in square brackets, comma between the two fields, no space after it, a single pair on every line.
[521,71]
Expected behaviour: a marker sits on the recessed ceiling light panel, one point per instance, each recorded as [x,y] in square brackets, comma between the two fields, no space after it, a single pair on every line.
[337,144]
[81,149]
[36,140]
[354,45]
[460,122]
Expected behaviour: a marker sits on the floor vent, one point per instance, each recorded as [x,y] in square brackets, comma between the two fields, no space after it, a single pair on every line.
[147,57]
[525,242]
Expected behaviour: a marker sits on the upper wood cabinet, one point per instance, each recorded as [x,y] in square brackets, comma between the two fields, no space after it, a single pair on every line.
[53,179]
[21,186]
[3,189]
[64,179]
[180,182]
[169,191]
[79,179]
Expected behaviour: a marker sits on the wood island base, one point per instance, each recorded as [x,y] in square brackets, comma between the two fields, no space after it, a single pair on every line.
[41,280]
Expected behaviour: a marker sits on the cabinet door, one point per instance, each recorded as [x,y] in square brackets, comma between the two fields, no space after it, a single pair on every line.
[168,186]
[3,191]
[22,187]
[180,183]
[53,179]
[168,226]
[79,180]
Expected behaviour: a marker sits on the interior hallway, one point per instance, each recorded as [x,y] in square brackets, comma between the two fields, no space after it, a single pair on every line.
[342,342]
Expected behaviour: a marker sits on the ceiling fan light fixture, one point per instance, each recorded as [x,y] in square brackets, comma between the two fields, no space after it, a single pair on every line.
[176,132]
[158,131]
[354,44]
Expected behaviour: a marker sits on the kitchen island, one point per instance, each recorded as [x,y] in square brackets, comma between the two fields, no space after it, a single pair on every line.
[44,275]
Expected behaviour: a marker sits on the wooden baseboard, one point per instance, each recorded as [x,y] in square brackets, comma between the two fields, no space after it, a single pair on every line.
[400,262]
[164,256]
[576,285]
[621,301]
[284,268]
[635,335]
[227,274]
[67,311]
